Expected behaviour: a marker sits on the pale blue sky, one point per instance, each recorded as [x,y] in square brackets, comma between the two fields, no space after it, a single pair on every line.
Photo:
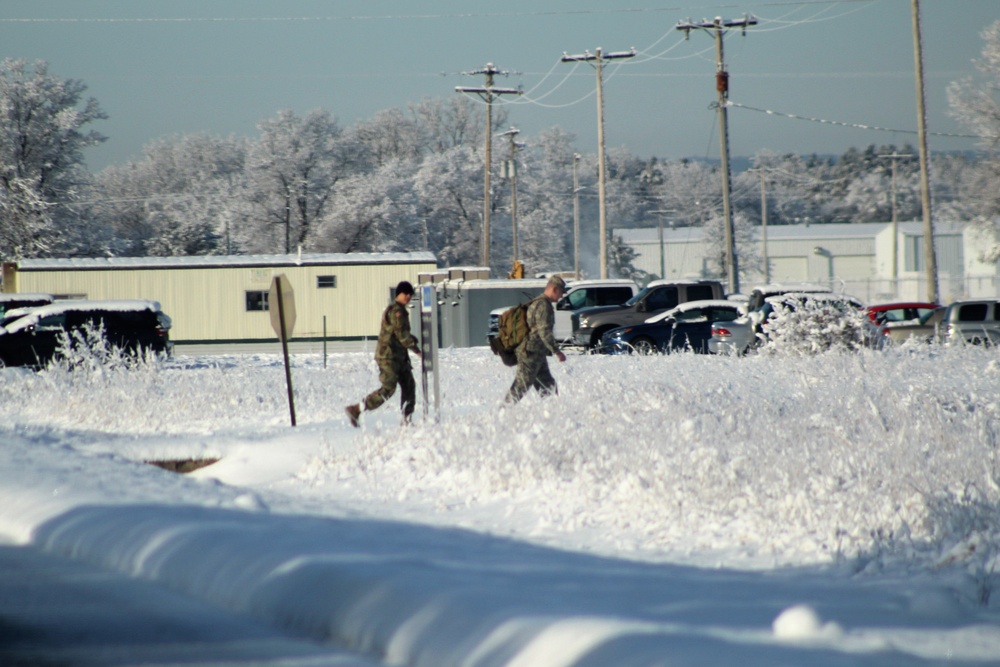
[221,66]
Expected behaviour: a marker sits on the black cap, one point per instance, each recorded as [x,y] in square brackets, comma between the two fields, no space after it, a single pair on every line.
[404,287]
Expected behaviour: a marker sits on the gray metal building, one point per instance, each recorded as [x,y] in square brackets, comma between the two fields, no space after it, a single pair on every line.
[853,258]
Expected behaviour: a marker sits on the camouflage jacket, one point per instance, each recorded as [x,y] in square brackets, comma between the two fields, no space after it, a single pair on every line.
[541,319]
[394,337]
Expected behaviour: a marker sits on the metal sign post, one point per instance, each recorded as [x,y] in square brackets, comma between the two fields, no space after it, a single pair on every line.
[428,346]
[281,304]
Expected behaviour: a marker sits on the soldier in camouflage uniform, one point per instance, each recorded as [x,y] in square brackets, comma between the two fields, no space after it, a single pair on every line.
[532,365]
[392,356]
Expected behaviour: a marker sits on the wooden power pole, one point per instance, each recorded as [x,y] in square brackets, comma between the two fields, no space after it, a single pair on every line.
[930,258]
[719,27]
[598,57]
[487,94]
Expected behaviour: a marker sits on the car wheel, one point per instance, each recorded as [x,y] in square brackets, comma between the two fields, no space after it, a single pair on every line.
[644,346]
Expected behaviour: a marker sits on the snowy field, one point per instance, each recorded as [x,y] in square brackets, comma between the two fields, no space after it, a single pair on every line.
[836,509]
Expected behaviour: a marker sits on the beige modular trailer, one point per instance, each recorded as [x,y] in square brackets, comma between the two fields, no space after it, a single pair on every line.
[223,299]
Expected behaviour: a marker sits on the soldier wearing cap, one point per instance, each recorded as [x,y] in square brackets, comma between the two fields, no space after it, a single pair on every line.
[392,355]
[532,364]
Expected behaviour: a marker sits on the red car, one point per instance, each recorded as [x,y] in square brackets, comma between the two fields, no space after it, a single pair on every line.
[904,311]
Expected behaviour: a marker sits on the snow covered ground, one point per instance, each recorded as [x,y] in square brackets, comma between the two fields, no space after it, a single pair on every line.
[839,509]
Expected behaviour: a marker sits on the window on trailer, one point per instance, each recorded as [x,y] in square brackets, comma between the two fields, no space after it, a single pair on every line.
[257,300]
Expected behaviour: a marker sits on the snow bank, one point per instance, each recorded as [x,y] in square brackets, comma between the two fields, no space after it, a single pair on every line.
[587,528]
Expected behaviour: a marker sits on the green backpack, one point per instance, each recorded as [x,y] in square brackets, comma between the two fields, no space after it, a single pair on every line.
[512,330]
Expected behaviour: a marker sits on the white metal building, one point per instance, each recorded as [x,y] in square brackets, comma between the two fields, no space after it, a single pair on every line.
[224,299]
[853,258]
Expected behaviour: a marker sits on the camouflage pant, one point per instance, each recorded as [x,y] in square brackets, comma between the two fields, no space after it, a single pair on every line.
[391,374]
[532,371]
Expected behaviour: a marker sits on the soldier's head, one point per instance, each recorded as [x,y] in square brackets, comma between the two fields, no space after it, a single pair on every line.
[555,288]
[404,292]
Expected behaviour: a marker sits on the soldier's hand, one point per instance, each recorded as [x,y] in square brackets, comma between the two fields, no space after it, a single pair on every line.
[560,356]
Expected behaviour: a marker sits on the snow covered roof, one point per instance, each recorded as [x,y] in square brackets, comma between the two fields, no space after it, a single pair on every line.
[26,296]
[225,261]
[31,316]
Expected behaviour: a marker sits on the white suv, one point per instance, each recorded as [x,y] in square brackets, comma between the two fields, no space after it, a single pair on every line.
[975,321]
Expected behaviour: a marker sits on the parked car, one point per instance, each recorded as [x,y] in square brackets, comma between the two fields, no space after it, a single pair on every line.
[10,302]
[898,321]
[686,327]
[33,336]
[590,324]
[907,311]
[582,294]
[741,335]
[926,328]
[975,321]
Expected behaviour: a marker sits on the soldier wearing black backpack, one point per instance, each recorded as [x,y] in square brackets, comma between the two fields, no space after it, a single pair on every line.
[532,365]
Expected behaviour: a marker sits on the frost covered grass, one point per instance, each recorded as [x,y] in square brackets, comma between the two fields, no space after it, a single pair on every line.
[869,461]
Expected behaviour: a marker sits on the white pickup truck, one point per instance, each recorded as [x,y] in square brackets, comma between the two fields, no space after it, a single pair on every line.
[580,294]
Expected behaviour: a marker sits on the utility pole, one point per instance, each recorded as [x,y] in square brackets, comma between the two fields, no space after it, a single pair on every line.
[599,57]
[930,258]
[512,172]
[719,27]
[576,218]
[895,222]
[487,94]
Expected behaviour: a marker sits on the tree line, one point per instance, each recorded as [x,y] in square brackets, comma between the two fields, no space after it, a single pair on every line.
[412,179]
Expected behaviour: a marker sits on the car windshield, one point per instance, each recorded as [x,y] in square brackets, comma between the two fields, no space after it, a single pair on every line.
[638,297]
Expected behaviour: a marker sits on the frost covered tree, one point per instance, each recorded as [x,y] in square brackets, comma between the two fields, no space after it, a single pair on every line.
[292,169]
[544,204]
[446,123]
[178,199]
[449,189]
[688,191]
[391,135]
[976,104]
[42,138]
[374,211]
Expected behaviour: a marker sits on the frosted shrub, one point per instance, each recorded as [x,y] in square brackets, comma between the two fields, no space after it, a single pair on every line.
[810,326]
[88,349]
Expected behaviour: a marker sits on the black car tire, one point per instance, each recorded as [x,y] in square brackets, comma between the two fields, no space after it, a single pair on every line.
[643,345]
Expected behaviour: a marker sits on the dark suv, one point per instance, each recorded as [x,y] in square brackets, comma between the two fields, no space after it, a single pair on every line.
[657,297]
[32,336]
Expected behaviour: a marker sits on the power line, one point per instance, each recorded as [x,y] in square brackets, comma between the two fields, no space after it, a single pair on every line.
[857,126]
[410,17]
